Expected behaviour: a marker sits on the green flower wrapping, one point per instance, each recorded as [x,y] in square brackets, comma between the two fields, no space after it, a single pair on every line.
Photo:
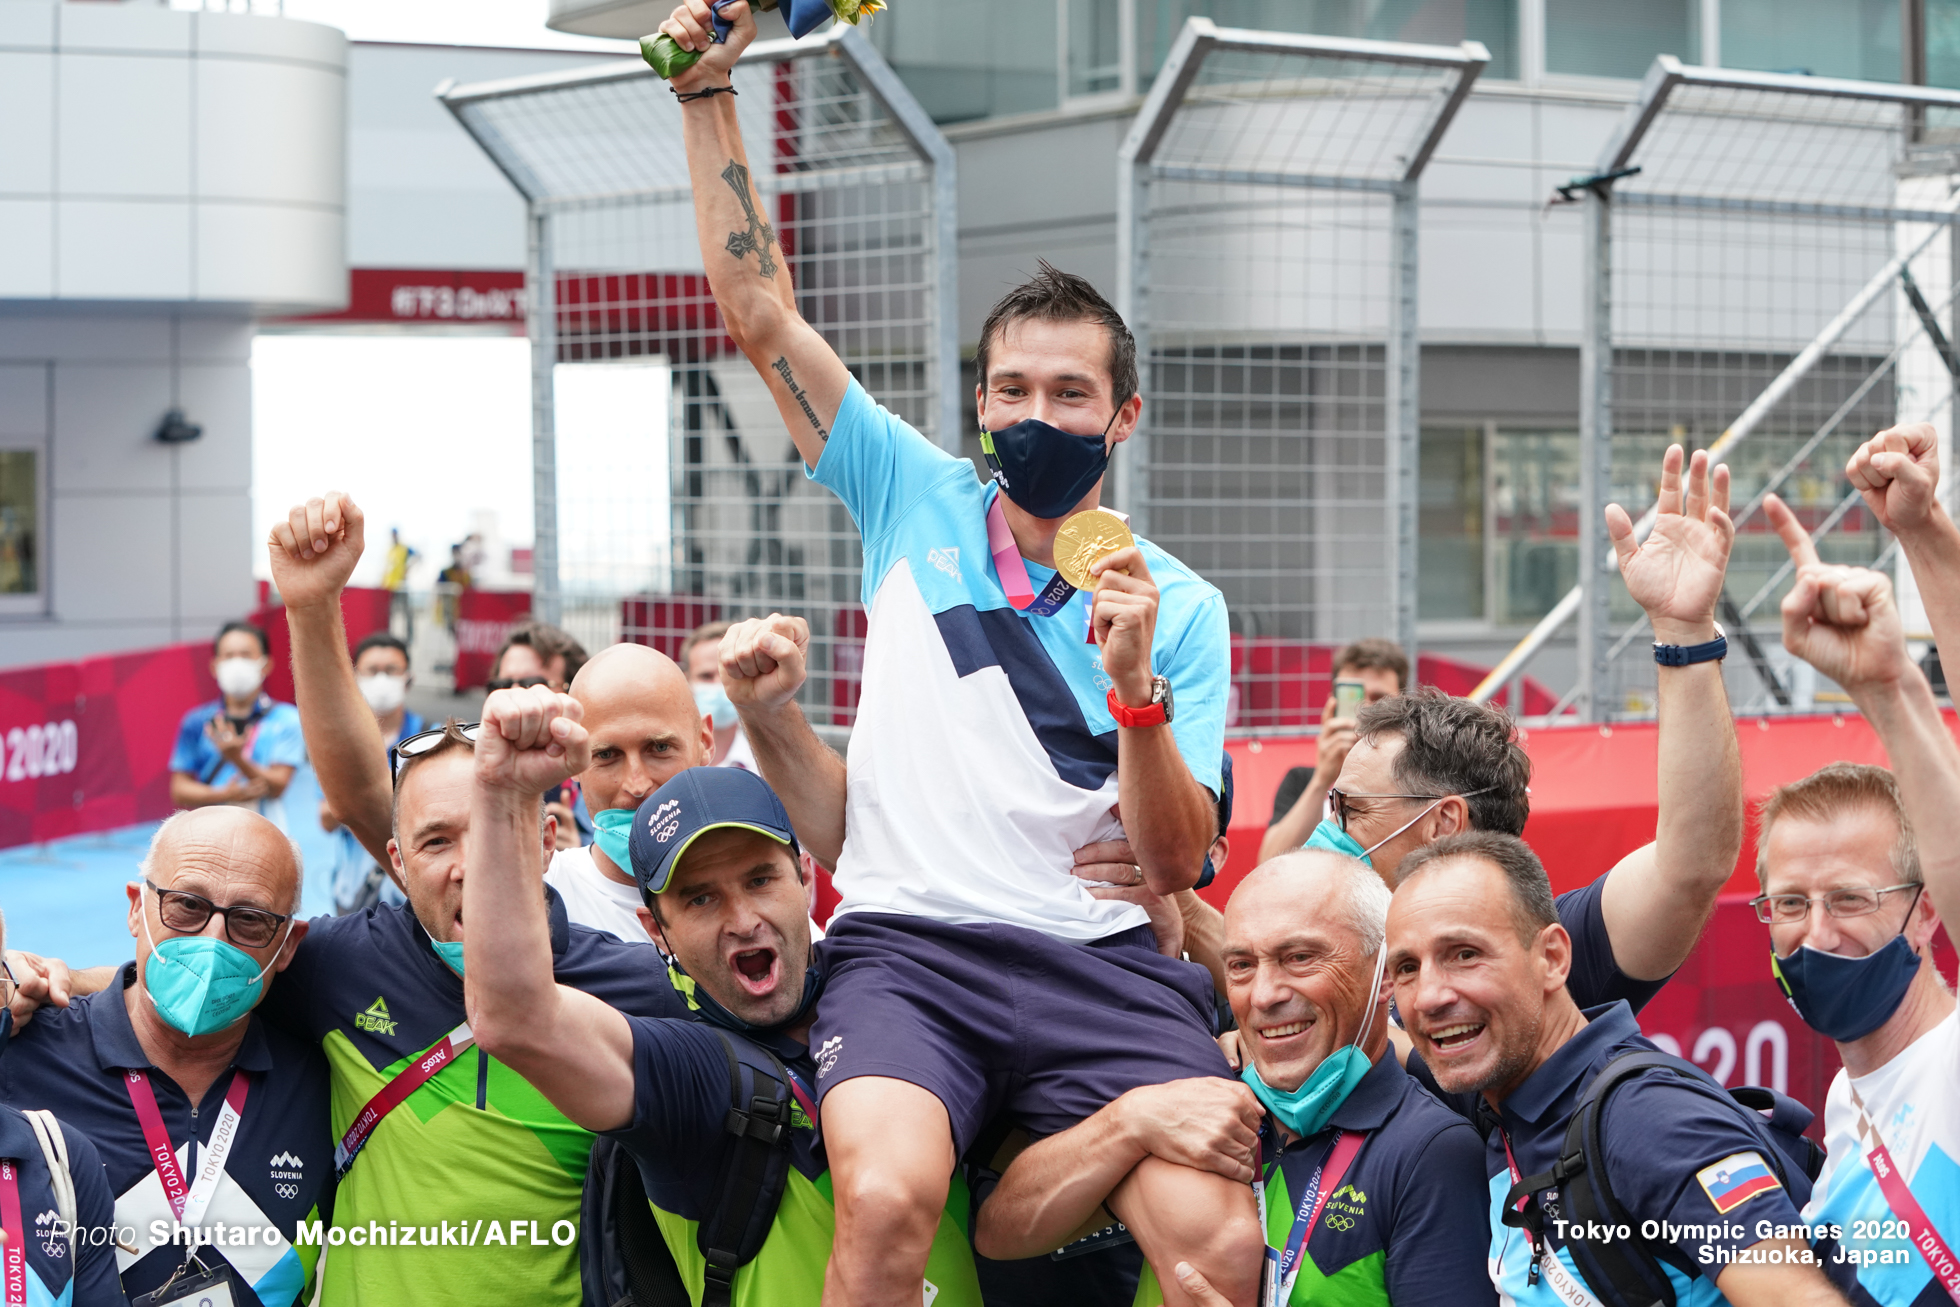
[667,58]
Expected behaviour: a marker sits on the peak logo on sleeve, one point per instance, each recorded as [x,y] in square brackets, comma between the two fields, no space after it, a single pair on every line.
[375,1020]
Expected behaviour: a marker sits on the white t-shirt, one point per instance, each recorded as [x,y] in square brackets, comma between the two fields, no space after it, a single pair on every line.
[1914,1101]
[595,899]
[740,754]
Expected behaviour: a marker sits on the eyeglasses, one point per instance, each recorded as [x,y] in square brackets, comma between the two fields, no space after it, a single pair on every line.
[423,741]
[186,914]
[1339,801]
[519,683]
[1782,909]
[13,986]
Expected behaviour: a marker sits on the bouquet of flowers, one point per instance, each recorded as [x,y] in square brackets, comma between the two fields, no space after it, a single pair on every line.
[805,17]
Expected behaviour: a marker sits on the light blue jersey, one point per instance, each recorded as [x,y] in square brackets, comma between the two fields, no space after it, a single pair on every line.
[984,752]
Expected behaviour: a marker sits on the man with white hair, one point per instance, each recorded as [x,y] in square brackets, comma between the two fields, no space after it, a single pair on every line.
[182,1087]
[1373,1190]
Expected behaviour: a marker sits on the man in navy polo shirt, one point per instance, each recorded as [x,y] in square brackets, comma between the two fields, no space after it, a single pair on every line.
[1374,1191]
[79,1271]
[1007,720]
[723,888]
[1479,962]
[174,1061]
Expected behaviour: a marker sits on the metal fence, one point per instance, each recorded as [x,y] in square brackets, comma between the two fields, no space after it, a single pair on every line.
[1266,235]
[1769,262]
[703,511]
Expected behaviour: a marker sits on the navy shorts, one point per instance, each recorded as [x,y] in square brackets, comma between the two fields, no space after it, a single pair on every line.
[1000,1019]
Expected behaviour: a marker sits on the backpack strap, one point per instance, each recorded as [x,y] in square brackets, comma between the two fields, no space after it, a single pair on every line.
[55,1149]
[652,1278]
[757,1170]
[1620,1272]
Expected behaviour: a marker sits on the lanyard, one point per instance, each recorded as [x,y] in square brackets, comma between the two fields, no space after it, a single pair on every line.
[187,1201]
[1531,1235]
[14,1257]
[1013,570]
[1326,1179]
[803,1098]
[411,1078]
[1945,1267]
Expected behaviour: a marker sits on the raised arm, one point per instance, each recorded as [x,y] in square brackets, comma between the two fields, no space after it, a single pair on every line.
[1656,901]
[1898,471]
[1330,753]
[576,1049]
[1843,621]
[1056,1188]
[763,663]
[313,553]
[739,248]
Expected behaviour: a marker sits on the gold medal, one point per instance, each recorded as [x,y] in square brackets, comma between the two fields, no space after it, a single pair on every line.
[1086,539]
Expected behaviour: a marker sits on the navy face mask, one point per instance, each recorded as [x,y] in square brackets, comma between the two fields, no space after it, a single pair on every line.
[1043,468]
[1846,998]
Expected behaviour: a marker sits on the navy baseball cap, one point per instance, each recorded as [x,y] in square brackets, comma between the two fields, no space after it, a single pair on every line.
[690,805]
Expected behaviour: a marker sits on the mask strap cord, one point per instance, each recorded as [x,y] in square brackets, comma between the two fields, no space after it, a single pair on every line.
[1375,990]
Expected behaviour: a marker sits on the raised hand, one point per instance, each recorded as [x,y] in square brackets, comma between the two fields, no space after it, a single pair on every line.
[531,740]
[1676,574]
[764,660]
[315,549]
[1125,622]
[1897,472]
[692,26]
[1840,620]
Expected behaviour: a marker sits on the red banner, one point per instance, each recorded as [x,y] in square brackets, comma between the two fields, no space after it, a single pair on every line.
[85,746]
[362,611]
[431,296]
[484,620]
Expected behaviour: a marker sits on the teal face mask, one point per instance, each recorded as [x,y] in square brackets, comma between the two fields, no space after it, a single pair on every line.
[610,827]
[450,952]
[1329,835]
[199,984]
[1305,1111]
[713,702]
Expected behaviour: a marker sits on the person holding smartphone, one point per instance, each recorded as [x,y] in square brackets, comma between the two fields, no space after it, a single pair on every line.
[1365,672]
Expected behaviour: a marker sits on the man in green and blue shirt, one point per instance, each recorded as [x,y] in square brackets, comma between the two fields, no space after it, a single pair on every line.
[1373,1190]
[717,864]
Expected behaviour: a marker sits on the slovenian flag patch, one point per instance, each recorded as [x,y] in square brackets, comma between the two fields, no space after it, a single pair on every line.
[1736,1179]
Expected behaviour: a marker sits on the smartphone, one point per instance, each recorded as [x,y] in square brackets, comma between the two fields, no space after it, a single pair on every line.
[1348,698]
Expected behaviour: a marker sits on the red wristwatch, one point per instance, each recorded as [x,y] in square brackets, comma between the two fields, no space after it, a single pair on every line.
[1155,713]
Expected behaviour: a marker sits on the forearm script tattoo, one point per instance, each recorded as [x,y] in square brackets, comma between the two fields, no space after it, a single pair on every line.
[781,365]
[760,235]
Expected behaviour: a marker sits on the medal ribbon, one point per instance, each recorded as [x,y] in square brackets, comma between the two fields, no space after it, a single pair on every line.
[411,1078]
[1013,570]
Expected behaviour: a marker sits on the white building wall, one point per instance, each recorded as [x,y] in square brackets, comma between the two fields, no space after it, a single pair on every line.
[165,178]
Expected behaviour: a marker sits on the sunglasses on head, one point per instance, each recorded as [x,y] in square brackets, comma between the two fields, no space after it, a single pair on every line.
[423,741]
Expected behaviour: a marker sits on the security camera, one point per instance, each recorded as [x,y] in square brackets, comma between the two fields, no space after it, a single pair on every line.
[174,430]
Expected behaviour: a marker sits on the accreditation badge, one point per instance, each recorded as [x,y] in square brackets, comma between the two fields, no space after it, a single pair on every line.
[192,1288]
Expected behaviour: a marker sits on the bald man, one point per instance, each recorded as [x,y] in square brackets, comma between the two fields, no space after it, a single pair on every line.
[1374,1191]
[639,711]
[644,727]
[181,1085]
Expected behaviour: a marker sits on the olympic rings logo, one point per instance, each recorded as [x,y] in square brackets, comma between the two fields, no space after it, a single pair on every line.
[1336,1221]
[286,1190]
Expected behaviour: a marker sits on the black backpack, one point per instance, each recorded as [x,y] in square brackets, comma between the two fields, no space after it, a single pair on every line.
[1628,1272]
[624,1260]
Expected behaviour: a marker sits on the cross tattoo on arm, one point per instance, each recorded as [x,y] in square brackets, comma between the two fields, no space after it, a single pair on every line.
[760,235]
